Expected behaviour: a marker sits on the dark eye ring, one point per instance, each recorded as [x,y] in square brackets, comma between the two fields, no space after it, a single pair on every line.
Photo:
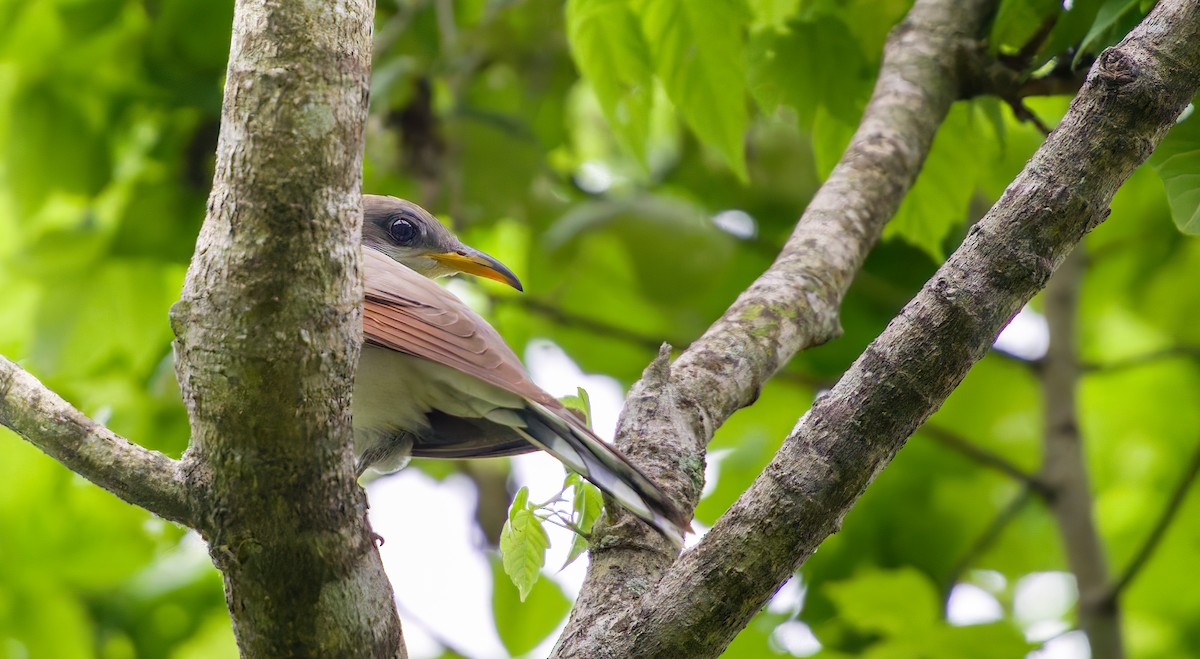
[403,231]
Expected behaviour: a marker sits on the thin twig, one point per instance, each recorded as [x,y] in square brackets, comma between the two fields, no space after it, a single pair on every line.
[1160,527]
[409,617]
[952,440]
[1190,351]
[599,327]
[985,539]
[1023,113]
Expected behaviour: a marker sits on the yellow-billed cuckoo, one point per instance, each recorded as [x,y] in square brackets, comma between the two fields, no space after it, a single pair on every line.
[435,380]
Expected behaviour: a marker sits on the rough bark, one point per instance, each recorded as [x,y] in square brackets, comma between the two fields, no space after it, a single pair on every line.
[1131,98]
[1064,468]
[267,336]
[137,475]
[672,413]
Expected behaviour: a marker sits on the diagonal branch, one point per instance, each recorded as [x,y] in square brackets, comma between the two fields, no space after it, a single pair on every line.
[1186,351]
[984,541]
[984,457]
[672,413]
[595,326]
[1160,527]
[137,475]
[1133,95]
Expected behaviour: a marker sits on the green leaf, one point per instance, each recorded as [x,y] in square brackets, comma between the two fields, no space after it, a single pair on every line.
[699,255]
[831,135]
[772,13]
[1070,28]
[1100,35]
[523,544]
[888,602]
[783,70]
[609,49]
[579,403]
[587,505]
[1177,162]
[993,111]
[997,640]
[901,606]
[51,147]
[524,622]
[1017,21]
[588,502]
[938,201]
[699,54]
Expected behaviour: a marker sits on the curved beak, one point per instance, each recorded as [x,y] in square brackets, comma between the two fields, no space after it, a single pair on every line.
[475,262]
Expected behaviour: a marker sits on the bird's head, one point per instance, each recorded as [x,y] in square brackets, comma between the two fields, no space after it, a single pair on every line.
[411,236]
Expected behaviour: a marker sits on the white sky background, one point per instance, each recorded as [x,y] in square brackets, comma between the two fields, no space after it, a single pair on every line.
[443,579]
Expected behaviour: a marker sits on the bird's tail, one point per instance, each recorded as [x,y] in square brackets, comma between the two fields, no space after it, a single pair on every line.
[586,454]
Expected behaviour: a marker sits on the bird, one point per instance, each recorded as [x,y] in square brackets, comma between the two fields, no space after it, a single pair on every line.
[435,380]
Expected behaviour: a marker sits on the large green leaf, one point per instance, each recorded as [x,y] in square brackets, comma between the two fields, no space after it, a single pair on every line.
[886,602]
[523,544]
[525,621]
[699,53]
[938,200]
[784,71]
[677,252]
[1113,19]
[608,46]
[1177,161]
[773,13]
[51,147]
[1069,30]
[1017,21]
[902,608]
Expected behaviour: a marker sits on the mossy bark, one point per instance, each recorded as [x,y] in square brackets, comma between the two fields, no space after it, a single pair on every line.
[268,331]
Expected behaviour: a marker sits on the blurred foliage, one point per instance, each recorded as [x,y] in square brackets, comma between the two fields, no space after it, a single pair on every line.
[638,163]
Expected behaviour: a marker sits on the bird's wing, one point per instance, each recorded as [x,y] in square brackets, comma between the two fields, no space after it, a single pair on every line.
[406,312]
[561,434]
[409,313]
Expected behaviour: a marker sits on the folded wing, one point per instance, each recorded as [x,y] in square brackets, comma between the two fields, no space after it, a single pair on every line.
[411,314]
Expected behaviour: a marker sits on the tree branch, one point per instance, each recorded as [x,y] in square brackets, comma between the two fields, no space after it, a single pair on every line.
[1064,469]
[268,330]
[955,442]
[1188,351]
[1160,527]
[984,541]
[137,475]
[588,324]
[1132,97]
[671,415]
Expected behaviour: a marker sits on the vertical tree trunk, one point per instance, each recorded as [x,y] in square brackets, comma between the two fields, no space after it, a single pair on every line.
[1065,468]
[268,332]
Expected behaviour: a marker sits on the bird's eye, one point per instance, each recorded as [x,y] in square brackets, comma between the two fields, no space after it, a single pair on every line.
[403,231]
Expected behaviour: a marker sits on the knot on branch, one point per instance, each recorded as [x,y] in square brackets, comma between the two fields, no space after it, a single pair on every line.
[1115,68]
